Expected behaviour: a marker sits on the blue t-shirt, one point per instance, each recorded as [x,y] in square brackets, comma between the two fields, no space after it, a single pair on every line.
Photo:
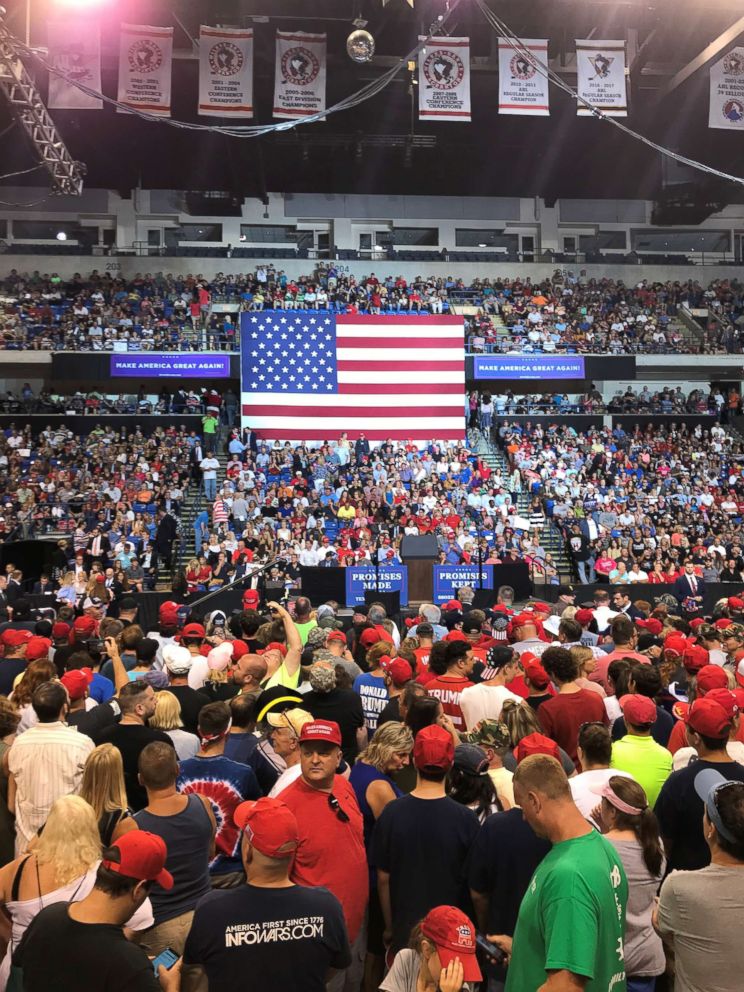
[284,939]
[226,784]
[374,696]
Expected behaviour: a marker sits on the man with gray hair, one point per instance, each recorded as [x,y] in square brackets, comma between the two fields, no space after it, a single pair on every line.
[377,615]
[431,614]
[343,706]
[466,595]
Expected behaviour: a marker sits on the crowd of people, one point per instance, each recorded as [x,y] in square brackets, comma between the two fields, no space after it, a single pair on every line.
[534,798]
[97,402]
[568,313]
[645,505]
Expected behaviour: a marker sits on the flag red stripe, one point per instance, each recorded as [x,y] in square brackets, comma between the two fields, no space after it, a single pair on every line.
[401,342]
[405,387]
[267,410]
[393,366]
[286,434]
[388,319]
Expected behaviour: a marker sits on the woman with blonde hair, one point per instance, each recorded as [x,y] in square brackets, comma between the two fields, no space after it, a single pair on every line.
[167,717]
[61,867]
[103,787]
[9,717]
[388,751]
[521,721]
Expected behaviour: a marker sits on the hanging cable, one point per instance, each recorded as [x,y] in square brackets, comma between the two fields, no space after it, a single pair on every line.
[22,172]
[253,130]
[503,30]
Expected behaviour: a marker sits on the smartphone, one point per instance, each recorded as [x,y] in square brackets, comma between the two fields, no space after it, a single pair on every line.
[492,952]
[167,958]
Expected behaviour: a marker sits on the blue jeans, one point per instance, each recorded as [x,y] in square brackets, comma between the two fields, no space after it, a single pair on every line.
[586,571]
[210,489]
[641,984]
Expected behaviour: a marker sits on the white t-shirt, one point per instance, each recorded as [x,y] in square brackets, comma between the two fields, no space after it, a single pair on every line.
[198,672]
[287,777]
[683,756]
[484,702]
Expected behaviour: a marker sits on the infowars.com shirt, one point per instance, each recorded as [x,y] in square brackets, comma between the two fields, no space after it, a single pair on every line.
[268,938]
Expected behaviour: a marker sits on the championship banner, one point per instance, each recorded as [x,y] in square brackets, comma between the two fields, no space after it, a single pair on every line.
[74,49]
[300,74]
[523,88]
[600,67]
[449,578]
[444,79]
[145,61]
[360,579]
[225,72]
[727,92]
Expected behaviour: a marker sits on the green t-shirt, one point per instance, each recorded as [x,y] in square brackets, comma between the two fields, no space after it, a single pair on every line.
[649,763]
[210,425]
[304,629]
[572,918]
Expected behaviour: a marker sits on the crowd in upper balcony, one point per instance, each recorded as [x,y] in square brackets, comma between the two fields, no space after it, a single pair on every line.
[567,313]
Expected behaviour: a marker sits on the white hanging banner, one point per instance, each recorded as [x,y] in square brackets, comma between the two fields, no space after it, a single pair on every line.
[300,74]
[74,49]
[145,63]
[523,88]
[444,79]
[727,92]
[600,67]
[225,72]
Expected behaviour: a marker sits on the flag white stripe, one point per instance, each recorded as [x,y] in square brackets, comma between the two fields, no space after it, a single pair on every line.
[395,331]
[413,400]
[343,423]
[366,354]
[396,377]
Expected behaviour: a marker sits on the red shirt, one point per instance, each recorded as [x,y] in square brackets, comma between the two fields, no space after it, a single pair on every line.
[448,692]
[422,658]
[562,716]
[330,852]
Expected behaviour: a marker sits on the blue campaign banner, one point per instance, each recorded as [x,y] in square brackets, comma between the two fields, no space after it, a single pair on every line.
[528,367]
[449,578]
[172,365]
[392,579]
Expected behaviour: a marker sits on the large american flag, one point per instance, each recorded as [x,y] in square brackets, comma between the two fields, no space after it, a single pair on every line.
[310,375]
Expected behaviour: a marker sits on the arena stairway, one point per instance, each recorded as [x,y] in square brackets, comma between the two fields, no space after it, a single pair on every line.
[194,503]
[552,539]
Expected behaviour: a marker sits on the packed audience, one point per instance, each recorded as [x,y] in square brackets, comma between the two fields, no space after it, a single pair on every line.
[95,402]
[642,506]
[281,798]
[567,313]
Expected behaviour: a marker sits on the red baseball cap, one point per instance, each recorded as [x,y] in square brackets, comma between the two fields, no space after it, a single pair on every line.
[540,607]
[15,638]
[142,855]
[638,710]
[84,626]
[723,622]
[695,657]
[535,672]
[676,643]
[455,635]
[725,699]
[584,616]
[738,696]
[433,748]
[270,826]
[453,604]
[711,677]
[398,669]
[60,630]
[453,935]
[709,718]
[536,744]
[523,620]
[337,635]
[168,608]
[369,637]
[697,622]
[239,648]
[37,647]
[735,603]
[321,730]
[193,630]
[652,625]
[76,682]
[277,646]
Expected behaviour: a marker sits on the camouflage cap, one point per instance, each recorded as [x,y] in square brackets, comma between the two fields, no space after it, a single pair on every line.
[489,733]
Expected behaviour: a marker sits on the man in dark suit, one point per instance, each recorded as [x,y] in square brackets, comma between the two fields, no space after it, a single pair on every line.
[44,585]
[4,601]
[689,590]
[99,546]
[621,602]
[361,448]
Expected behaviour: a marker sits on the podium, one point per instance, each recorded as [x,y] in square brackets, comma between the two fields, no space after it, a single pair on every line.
[420,553]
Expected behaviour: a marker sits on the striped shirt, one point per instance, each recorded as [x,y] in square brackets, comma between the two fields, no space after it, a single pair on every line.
[46,762]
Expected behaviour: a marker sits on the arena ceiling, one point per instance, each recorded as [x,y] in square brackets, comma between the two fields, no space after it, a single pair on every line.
[364,150]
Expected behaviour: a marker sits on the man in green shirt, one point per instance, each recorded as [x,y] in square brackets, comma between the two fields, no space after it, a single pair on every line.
[638,753]
[209,428]
[571,924]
